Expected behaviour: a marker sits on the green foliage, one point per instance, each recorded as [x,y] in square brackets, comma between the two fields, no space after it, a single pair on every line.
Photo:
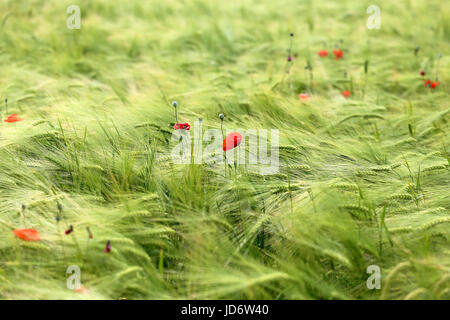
[362,181]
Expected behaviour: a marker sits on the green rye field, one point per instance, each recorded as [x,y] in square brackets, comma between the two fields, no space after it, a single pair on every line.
[363,180]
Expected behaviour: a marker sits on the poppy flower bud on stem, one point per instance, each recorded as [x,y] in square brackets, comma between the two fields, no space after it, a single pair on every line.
[437,67]
[22,214]
[221,117]
[6,106]
[108,247]
[90,236]
[58,216]
[175,105]
[289,58]
[69,231]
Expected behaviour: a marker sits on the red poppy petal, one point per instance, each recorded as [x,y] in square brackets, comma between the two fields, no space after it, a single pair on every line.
[27,234]
[13,118]
[231,141]
[184,126]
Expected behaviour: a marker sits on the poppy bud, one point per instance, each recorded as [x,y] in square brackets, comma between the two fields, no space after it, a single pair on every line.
[174,104]
[89,233]
[69,231]
[422,73]
[221,116]
[108,247]
[292,34]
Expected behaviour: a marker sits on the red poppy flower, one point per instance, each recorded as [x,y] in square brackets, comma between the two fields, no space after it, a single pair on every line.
[434,84]
[108,247]
[303,96]
[231,141]
[182,126]
[323,53]
[338,54]
[346,93]
[428,83]
[27,234]
[422,73]
[13,118]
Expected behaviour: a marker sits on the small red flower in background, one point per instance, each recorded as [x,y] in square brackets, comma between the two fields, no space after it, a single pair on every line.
[289,58]
[82,290]
[13,118]
[422,73]
[346,93]
[182,126]
[431,84]
[89,233]
[108,247]
[69,231]
[231,141]
[338,54]
[323,53]
[303,96]
[27,234]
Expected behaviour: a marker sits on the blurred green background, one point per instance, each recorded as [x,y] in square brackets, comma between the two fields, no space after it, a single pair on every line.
[363,181]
